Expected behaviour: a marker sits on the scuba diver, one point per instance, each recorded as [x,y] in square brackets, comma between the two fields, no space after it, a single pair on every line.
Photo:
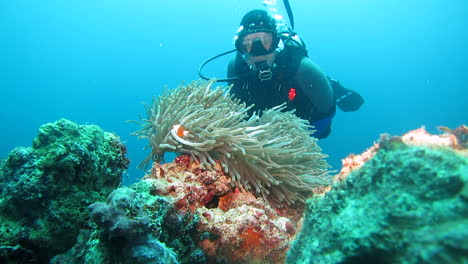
[271,67]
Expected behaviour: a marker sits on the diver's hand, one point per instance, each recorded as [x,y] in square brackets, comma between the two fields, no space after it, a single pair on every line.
[350,101]
[347,100]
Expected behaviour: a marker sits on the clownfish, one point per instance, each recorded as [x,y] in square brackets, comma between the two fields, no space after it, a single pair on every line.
[180,130]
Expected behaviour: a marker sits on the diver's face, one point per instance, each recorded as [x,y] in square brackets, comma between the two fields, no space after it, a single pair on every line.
[253,60]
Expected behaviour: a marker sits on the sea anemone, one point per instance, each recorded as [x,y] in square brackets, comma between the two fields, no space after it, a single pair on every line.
[271,155]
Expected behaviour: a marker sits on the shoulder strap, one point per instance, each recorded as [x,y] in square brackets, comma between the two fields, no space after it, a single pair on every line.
[289,58]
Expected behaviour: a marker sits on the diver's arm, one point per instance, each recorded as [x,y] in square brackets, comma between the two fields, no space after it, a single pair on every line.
[317,88]
[315,85]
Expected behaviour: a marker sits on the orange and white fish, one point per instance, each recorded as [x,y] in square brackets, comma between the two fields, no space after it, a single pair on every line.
[180,130]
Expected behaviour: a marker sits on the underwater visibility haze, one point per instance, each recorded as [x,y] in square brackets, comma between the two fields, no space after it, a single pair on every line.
[97,61]
[73,73]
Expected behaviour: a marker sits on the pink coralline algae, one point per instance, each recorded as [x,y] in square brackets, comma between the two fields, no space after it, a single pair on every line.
[234,226]
[455,139]
[353,162]
[420,137]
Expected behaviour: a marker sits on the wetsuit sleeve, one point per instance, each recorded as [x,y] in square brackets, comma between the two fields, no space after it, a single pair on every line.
[318,90]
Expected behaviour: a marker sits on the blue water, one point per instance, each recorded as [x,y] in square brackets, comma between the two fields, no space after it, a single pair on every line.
[97,61]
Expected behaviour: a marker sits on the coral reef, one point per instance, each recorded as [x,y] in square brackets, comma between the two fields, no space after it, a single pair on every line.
[182,212]
[113,217]
[45,189]
[272,155]
[128,225]
[234,226]
[405,200]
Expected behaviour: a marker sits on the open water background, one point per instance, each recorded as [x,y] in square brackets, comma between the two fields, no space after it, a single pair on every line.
[96,61]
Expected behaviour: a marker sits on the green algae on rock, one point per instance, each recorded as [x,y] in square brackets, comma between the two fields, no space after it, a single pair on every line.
[46,188]
[406,204]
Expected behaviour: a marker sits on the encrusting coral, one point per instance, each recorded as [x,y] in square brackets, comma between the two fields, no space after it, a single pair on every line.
[272,155]
[233,226]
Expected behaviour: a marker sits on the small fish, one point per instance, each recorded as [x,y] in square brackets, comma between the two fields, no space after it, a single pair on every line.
[180,130]
[291,94]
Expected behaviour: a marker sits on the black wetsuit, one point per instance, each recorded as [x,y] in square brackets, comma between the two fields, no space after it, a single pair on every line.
[296,80]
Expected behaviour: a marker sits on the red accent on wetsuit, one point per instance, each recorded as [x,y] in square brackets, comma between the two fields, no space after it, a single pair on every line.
[291,94]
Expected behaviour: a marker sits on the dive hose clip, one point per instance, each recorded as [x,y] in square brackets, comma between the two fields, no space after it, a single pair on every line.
[265,75]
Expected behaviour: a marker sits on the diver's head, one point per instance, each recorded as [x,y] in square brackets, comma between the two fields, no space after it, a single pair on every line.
[257,35]
[257,40]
